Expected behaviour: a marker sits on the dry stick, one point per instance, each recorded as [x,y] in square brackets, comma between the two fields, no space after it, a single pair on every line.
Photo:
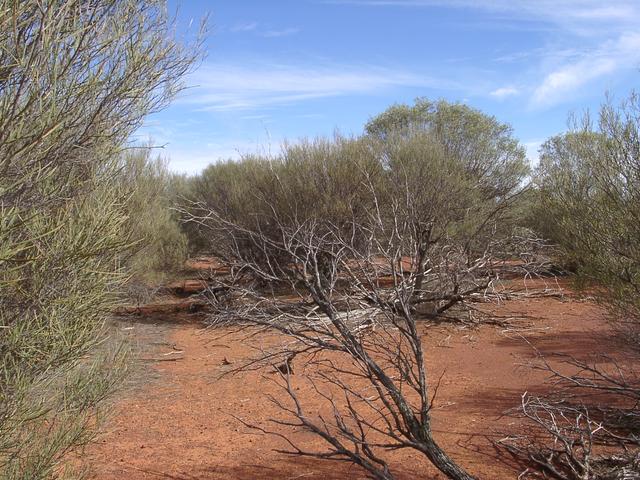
[161,359]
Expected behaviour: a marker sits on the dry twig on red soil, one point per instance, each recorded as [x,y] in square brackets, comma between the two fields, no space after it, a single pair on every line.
[587,429]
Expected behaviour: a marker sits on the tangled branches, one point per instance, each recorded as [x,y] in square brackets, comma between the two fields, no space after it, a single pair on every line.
[589,428]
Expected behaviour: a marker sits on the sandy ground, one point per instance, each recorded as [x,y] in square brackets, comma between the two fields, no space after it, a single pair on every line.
[179,424]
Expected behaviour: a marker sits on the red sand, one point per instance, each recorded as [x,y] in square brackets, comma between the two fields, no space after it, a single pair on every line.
[181,426]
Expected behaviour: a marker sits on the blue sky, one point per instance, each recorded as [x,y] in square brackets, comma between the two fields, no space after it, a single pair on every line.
[279,70]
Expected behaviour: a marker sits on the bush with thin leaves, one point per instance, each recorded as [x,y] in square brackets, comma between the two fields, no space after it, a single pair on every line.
[589,184]
[161,246]
[76,79]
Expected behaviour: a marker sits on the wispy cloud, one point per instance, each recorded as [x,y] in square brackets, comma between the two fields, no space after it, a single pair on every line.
[621,11]
[228,87]
[255,117]
[504,92]
[608,58]
[192,160]
[262,30]
[587,18]
[280,33]
[558,9]
[556,54]
[592,40]
[244,27]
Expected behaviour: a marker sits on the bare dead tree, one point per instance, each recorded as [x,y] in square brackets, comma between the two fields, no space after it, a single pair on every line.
[352,324]
[341,247]
[375,331]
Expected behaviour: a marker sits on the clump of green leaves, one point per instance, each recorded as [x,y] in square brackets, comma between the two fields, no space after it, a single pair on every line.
[76,79]
[147,187]
[589,187]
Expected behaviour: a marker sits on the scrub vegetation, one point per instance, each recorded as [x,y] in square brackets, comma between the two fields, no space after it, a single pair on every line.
[343,248]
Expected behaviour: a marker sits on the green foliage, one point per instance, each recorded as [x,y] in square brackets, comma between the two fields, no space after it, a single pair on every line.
[450,192]
[589,184]
[483,146]
[76,79]
[146,186]
[312,181]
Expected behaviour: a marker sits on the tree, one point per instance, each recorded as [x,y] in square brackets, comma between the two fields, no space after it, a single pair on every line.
[485,147]
[76,79]
[462,171]
[589,185]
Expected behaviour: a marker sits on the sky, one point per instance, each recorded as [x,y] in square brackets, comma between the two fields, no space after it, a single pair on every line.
[281,70]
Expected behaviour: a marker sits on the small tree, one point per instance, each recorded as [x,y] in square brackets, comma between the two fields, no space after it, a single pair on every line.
[484,147]
[589,186]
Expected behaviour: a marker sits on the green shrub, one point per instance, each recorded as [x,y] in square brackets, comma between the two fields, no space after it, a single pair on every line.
[589,183]
[451,188]
[76,79]
[309,182]
[153,225]
[484,147]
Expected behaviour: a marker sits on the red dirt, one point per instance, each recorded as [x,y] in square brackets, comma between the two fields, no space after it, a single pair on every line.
[182,426]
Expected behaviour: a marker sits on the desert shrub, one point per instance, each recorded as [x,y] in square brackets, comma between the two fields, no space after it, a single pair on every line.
[587,201]
[589,182]
[463,172]
[311,181]
[484,147]
[316,178]
[461,169]
[181,192]
[76,79]
[146,187]
[228,185]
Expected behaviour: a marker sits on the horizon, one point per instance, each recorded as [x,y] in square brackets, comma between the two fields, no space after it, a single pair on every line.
[286,70]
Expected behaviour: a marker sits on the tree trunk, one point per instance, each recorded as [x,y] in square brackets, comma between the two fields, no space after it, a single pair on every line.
[442,461]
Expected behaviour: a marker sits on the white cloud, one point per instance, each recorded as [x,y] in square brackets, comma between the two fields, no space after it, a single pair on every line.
[280,33]
[257,29]
[561,10]
[568,78]
[610,57]
[504,92]
[193,160]
[255,117]
[244,27]
[587,18]
[533,154]
[227,87]
[612,12]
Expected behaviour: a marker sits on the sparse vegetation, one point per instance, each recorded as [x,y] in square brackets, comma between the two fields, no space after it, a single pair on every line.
[589,190]
[341,251]
[159,245]
[332,221]
[589,184]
